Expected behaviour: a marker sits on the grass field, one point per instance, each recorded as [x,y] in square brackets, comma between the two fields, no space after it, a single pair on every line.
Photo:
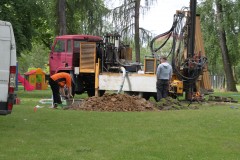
[209,133]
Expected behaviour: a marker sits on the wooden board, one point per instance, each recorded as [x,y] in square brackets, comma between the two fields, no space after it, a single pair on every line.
[205,81]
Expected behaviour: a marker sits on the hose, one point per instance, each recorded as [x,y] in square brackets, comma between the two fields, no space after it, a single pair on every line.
[177,32]
[177,18]
[123,79]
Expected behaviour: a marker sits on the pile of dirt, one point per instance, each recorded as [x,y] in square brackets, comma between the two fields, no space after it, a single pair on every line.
[125,103]
[114,103]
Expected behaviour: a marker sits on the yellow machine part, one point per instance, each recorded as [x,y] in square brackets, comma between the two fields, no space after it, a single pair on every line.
[176,87]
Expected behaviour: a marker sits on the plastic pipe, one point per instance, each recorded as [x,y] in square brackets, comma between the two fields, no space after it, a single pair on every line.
[123,79]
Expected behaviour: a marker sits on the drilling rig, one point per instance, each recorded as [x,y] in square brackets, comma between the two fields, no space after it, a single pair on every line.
[187,53]
[99,64]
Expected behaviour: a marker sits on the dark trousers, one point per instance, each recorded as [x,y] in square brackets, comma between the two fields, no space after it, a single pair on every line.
[55,91]
[162,88]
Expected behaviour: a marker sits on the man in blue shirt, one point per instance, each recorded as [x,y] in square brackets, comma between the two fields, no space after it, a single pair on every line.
[164,75]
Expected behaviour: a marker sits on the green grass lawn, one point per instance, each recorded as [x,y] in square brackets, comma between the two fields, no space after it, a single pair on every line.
[209,133]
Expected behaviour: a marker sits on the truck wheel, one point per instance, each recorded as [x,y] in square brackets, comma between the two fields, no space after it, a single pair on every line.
[91,92]
[101,92]
[146,96]
[155,97]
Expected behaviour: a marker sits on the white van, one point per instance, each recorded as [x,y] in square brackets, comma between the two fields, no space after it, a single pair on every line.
[7,67]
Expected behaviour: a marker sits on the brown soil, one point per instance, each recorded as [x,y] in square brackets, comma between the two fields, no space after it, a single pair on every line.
[114,102]
[124,103]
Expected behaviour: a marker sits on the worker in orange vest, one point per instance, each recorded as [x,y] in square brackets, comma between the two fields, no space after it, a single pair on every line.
[58,82]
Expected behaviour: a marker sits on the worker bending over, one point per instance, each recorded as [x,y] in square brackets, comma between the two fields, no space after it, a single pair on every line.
[58,82]
[164,75]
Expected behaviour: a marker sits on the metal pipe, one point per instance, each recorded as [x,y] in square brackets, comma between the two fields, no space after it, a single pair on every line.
[193,4]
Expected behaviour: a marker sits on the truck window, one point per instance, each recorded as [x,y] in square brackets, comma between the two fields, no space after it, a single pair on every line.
[69,46]
[76,47]
[60,46]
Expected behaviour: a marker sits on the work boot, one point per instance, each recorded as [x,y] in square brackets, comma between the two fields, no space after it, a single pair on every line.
[55,106]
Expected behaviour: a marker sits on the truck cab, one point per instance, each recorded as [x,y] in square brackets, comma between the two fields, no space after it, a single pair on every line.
[7,67]
[67,53]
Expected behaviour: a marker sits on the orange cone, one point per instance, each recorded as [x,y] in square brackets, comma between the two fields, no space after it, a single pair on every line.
[35,109]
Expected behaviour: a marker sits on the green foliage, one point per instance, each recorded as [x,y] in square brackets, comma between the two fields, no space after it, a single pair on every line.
[83,16]
[37,58]
[30,20]
[209,29]
[43,22]
[19,15]
[231,26]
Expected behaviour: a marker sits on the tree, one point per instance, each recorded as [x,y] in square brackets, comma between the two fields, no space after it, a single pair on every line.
[123,21]
[211,45]
[36,58]
[28,25]
[61,11]
[19,14]
[43,22]
[136,28]
[80,16]
[231,86]
[220,21]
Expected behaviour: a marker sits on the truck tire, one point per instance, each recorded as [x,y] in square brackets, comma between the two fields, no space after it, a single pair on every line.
[92,92]
[146,95]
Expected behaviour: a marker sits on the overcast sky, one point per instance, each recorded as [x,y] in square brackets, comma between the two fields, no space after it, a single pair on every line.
[159,18]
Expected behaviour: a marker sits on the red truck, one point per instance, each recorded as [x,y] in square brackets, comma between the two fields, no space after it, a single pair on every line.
[65,57]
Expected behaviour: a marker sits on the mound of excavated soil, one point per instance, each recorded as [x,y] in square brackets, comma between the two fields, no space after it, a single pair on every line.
[114,102]
[124,103]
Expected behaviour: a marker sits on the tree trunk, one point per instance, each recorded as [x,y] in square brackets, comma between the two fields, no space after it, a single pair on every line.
[231,86]
[136,36]
[62,17]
